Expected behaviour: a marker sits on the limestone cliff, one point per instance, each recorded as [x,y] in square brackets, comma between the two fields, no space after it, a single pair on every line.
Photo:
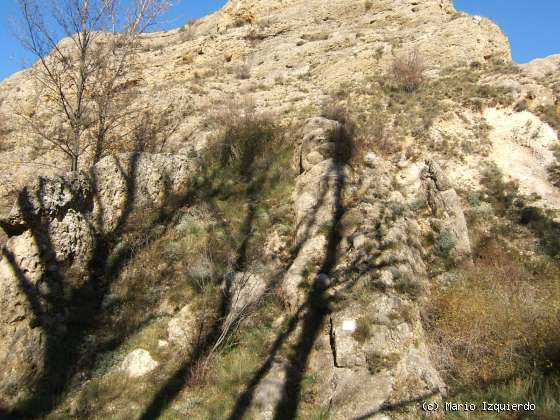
[295,283]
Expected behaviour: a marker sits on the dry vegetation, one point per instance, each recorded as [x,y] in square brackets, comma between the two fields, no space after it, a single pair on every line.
[494,326]
[408,71]
[184,252]
[390,118]
[494,330]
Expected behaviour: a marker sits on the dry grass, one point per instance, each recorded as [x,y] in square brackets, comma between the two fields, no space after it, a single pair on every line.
[246,136]
[408,71]
[242,71]
[498,321]
[187,32]
[378,135]
[363,330]
[161,266]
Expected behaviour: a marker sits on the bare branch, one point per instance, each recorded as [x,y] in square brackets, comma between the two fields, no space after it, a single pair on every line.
[80,76]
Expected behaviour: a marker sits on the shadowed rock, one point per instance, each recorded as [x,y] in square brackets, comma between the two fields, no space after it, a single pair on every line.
[55,228]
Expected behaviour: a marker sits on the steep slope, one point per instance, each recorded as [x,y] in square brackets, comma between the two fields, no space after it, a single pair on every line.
[293,53]
[291,253]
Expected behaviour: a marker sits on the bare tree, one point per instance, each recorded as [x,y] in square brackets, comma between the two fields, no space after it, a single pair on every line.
[83,80]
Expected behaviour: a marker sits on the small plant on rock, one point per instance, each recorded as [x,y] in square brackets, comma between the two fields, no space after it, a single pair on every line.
[362,332]
[444,244]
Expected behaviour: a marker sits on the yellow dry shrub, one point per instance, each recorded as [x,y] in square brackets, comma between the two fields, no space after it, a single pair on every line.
[497,320]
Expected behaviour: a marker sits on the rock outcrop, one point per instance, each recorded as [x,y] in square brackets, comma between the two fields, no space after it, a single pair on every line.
[57,228]
[374,224]
[286,47]
[372,354]
[316,198]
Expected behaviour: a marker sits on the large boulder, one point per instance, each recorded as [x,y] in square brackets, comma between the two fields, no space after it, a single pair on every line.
[49,236]
[135,180]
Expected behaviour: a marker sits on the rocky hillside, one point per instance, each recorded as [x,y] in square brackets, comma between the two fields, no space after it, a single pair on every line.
[317,238]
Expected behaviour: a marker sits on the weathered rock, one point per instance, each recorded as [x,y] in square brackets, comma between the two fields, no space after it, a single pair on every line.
[181,329]
[446,207]
[138,363]
[270,391]
[50,236]
[312,45]
[542,67]
[55,227]
[135,180]
[47,198]
[22,343]
[373,355]
[316,198]
[523,151]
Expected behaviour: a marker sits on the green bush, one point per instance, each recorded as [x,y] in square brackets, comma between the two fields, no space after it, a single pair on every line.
[444,244]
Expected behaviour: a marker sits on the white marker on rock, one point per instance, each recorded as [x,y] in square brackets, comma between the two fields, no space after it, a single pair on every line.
[349,325]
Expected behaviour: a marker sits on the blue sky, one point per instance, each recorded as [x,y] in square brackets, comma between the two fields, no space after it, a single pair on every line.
[532,26]
[13,58]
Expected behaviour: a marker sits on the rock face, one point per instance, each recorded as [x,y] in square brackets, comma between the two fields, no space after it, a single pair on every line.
[55,228]
[372,355]
[447,211]
[541,68]
[366,232]
[524,150]
[286,46]
[135,180]
[315,202]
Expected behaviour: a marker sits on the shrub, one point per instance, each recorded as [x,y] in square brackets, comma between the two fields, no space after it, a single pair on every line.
[334,110]
[502,194]
[246,136]
[551,115]
[377,135]
[188,31]
[153,131]
[497,321]
[408,71]
[444,244]
[362,332]
[408,284]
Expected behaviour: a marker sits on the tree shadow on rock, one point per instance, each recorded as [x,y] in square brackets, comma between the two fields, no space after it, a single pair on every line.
[66,346]
[310,314]
[243,155]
